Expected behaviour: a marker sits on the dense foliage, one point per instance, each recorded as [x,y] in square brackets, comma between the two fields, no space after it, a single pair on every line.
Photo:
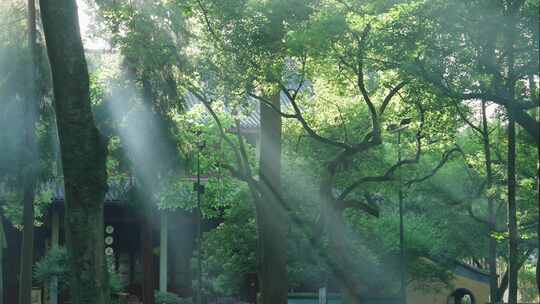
[379,99]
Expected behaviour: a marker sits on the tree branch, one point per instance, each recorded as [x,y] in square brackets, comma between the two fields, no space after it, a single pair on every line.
[242,148]
[229,142]
[268,103]
[305,125]
[446,156]
[360,82]
[366,207]
[207,21]
[390,95]
[467,121]
[389,174]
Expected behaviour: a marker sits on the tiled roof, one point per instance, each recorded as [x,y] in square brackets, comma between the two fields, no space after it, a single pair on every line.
[116,192]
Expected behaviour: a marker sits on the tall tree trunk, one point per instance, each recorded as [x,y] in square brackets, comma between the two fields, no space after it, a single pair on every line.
[492,250]
[147,177]
[538,226]
[27,249]
[342,265]
[538,229]
[340,258]
[512,219]
[272,218]
[535,94]
[30,159]
[513,258]
[503,286]
[83,151]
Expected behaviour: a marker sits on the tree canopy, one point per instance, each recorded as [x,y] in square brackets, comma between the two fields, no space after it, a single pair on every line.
[321,127]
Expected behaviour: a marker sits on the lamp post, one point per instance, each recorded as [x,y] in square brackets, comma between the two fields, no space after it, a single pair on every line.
[403,263]
[199,188]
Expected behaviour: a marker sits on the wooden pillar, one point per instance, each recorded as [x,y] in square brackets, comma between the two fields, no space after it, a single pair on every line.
[55,229]
[163,250]
[13,256]
[147,255]
[323,296]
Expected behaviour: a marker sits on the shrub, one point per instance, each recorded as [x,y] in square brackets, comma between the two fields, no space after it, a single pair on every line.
[53,264]
[170,298]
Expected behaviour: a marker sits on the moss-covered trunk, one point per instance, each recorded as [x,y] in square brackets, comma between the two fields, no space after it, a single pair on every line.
[83,153]
[29,163]
[27,249]
[272,221]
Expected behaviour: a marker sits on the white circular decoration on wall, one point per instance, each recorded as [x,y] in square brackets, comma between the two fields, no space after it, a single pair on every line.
[109,229]
[109,240]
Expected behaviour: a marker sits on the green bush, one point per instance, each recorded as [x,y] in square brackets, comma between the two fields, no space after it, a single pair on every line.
[53,264]
[170,298]
[115,282]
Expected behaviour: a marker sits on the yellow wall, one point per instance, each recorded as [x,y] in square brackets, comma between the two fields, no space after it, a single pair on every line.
[480,291]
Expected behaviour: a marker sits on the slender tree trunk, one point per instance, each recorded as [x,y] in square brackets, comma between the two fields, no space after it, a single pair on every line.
[535,94]
[512,219]
[538,226]
[503,286]
[272,218]
[147,176]
[83,151]
[513,253]
[492,250]
[200,298]
[30,159]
